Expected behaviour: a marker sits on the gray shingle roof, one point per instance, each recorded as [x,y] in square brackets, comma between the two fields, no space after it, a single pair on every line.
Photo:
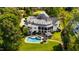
[43,16]
[54,20]
[42,19]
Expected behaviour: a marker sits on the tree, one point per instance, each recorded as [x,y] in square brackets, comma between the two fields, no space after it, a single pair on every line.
[53,11]
[25,31]
[58,48]
[69,9]
[73,42]
[65,39]
[9,31]
[65,17]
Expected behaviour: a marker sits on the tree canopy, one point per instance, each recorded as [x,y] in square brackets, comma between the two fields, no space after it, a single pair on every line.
[10,32]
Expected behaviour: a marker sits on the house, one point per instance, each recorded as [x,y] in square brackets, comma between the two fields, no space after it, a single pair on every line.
[42,23]
[76,29]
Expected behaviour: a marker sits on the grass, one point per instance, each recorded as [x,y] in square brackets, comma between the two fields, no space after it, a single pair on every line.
[38,47]
[53,41]
[56,36]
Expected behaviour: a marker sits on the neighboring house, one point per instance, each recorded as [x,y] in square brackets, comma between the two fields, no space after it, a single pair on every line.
[42,23]
[76,30]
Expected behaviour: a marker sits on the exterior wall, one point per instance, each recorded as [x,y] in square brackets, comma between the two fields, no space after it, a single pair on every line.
[45,29]
[76,30]
[34,24]
[54,28]
[34,28]
[56,25]
[41,29]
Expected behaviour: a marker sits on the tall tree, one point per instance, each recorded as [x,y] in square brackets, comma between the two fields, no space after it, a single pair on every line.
[9,31]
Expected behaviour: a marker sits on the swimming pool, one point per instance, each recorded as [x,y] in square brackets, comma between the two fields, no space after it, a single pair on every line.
[34,39]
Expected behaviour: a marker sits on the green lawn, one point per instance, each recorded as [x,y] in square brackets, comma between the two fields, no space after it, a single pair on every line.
[53,41]
[56,36]
[38,47]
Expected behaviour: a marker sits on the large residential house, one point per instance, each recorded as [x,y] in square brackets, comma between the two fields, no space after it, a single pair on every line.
[42,23]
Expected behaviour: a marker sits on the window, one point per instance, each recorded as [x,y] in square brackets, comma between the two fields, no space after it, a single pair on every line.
[39,27]
[45,31]
[42,28]
[34,27]
[45,28]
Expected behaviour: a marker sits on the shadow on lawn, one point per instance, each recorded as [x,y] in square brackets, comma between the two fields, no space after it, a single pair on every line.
[58,48]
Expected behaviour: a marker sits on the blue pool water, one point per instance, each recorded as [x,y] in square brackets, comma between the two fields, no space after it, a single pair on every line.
[33,39]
